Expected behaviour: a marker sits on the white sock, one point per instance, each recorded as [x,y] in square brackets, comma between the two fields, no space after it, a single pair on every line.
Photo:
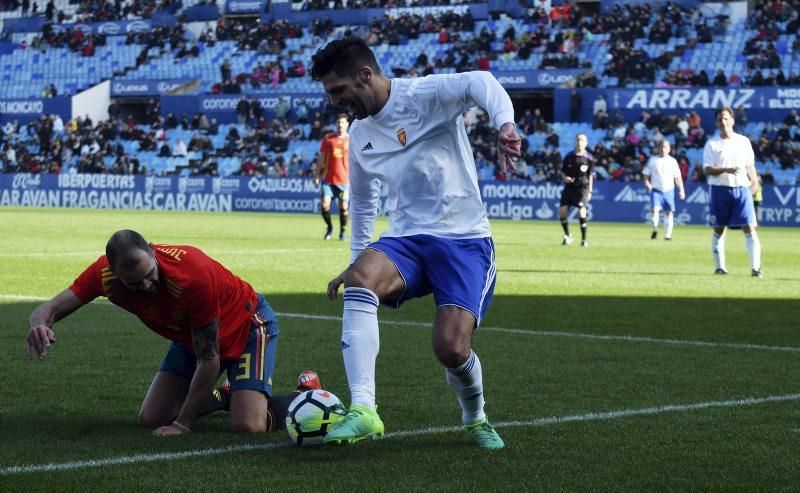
[668,222]
[753,249]
[654,220]
[467,381]
[718,249]
[360,344]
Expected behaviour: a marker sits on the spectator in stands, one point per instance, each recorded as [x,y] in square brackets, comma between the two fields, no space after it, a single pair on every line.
[282,108]
[599,105]
[574,105]
[792,119]
[180,149]
[225,70]
[301,111]
[720,80]
[694,119]
[164,151]
[243,110]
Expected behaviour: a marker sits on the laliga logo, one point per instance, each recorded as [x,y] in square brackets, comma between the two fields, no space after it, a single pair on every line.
[216,185]
[182,181]
[26,180]
[546,79]
[111,28]
[149,182]
[137,27]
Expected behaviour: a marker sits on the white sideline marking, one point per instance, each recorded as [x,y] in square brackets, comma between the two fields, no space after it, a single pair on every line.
[579,335]
[541,333]
[553,420]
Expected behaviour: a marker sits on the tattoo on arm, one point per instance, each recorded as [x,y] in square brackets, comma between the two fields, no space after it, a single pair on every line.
[205,340]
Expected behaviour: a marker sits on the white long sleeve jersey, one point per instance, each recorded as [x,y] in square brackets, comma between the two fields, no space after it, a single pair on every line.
[417,147]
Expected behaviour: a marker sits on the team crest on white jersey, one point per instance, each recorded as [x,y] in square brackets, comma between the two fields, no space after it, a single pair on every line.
[401,136]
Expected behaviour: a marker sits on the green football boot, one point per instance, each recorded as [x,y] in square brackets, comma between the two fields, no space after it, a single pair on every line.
[360,423]
[483,435]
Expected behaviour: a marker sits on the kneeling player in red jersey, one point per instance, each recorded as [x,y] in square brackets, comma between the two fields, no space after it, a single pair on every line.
[217,322]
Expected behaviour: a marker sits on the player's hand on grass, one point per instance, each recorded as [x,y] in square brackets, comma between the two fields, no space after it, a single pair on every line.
[333,286]
[168,431]
[39,339]
[509,145]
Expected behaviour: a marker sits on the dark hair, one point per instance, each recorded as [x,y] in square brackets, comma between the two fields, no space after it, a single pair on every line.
[345,57]
[723,108]
[123,248]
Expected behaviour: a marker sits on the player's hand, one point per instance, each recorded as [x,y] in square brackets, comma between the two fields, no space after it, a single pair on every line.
[569,179]
[333,286]
[167,431]
[682,194]
[509,147]
[589,197]
[316,182]
[39,339]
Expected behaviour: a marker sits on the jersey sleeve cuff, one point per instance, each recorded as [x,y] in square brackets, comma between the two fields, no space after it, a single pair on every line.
[505,116]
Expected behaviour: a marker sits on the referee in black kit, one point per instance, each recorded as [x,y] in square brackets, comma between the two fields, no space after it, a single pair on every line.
[578,171]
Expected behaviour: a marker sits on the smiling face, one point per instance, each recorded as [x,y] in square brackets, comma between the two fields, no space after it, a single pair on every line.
[352,93]
[143,277]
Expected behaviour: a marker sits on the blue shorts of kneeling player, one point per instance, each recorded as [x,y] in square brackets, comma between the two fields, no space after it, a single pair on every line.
[662,200]
[459,272]
[255,367]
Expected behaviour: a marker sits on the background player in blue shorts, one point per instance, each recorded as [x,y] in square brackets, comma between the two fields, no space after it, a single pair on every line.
[728,161]
[661,176]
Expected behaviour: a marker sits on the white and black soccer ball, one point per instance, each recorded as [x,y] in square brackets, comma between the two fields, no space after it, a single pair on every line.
[312,415]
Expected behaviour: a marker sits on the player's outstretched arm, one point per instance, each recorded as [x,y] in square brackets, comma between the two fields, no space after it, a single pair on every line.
[205,341]
[509,147]
[41,335]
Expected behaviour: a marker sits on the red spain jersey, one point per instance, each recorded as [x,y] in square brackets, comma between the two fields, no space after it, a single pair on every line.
[193,290]
[335,149]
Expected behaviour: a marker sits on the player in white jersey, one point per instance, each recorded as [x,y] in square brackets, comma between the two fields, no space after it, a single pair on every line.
[409,136]
[729,163]
[661,175]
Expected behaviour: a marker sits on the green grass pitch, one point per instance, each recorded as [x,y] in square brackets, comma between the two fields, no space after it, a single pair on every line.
[626,365]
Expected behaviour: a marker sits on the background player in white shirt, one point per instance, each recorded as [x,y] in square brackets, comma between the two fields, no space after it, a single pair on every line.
[661,175]
[409,136]
[728,161]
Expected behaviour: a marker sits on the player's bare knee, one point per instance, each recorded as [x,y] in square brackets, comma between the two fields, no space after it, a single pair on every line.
[451,355]
[355,277]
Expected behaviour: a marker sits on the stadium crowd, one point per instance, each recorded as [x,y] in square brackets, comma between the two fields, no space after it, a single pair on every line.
[50,145]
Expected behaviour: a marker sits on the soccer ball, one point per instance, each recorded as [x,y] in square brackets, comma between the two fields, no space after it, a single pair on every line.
[312,415]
